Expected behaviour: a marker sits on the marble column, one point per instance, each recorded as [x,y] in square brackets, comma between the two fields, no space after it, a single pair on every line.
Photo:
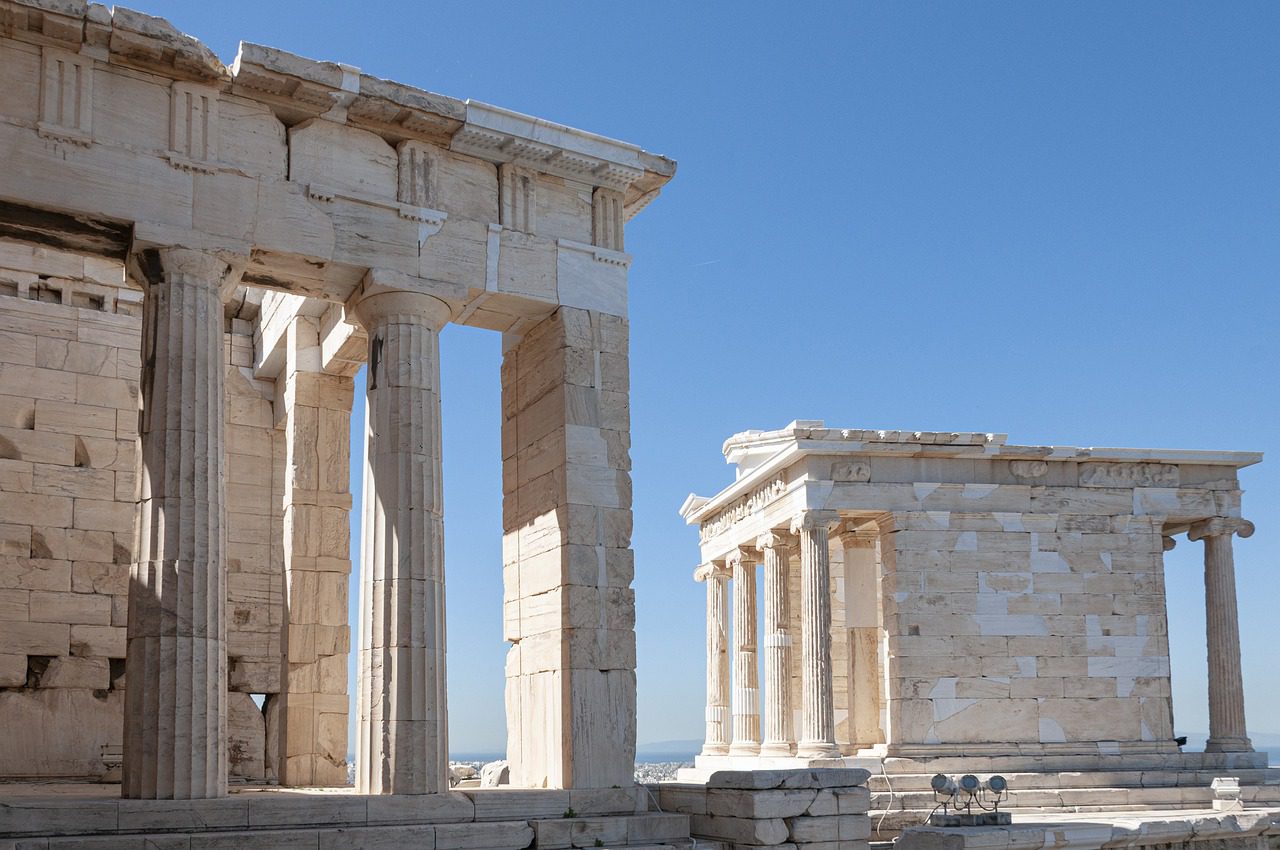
[403,720]
[1227,731]
[779,738]
[817,704]
[746,675]
[176,660]
[862,621]
[717,581]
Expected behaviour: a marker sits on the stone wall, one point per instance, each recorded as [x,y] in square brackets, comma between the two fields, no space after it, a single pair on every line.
[569,610]
[819,809]
[1028,626]
[70,334]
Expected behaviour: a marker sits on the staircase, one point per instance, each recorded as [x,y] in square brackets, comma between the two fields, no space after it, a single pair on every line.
[901,795]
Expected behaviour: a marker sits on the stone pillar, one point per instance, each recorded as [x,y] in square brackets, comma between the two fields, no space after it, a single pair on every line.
[779,737]
[861,589]
[746,674]
[817,709]
[403,723]
[175,705]
[717,581]
[1227,731]
[568,607]
[317,502]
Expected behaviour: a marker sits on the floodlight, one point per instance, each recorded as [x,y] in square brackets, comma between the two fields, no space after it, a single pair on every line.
[943,784]
[969,784]
[997,784]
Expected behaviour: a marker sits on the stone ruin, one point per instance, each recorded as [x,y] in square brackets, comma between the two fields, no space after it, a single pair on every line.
[222,249]
[195,261]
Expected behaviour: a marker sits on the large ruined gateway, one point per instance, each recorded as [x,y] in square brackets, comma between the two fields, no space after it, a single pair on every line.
[225,247]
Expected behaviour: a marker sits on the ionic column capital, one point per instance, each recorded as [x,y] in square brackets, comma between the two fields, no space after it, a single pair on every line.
[1220,525]
[771,540]
[710,570]
[741,555]
[813,520]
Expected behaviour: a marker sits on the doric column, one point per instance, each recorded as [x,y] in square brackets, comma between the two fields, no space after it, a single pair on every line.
[817,710]
[717,581]
[1227,731]
[861,591]
[746,675]
[175,719]
[779,738]
[403,724]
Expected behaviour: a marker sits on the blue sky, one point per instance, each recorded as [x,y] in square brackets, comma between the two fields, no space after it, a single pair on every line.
[1060,221]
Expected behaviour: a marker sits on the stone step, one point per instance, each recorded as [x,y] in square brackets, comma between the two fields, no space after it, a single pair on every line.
[886,826]
[1089,779]
[651,828]
[492,836]
[1049,764]
[1061,798]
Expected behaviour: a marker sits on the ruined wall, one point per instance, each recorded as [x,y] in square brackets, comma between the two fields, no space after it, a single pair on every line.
[70,333]
[69,340]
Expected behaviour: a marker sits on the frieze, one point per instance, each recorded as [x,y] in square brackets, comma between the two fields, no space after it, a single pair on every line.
[850,470]
[744,507]
[1128,475]
[1028,468]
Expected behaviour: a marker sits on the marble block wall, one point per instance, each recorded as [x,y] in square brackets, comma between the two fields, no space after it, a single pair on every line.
[569,610]
[1027,626]
[70,333]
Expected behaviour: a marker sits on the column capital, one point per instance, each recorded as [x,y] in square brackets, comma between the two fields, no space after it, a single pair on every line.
[811,520]
[858,538]
[1168,543]
[373,307]
[741,554]
[1220,525]
[710,570]
[771,540]
[192,266]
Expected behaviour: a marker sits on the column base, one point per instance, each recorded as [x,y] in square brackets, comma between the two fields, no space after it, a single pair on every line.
[779,749]
[1228,745]
[714,750]
[817,750]
[744,748]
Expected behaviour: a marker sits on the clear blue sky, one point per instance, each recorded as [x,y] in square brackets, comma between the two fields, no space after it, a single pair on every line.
[1061,221]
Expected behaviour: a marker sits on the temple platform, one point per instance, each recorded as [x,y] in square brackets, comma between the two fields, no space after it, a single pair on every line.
[1240,830]
[44,816]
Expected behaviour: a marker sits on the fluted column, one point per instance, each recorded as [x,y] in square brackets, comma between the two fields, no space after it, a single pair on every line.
[779,737]
[717,581]
[746,675]
[403,725]
[175,717]
[1227,731]
[817,708]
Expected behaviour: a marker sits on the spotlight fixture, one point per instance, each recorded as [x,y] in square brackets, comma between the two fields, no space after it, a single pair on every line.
[966,792]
